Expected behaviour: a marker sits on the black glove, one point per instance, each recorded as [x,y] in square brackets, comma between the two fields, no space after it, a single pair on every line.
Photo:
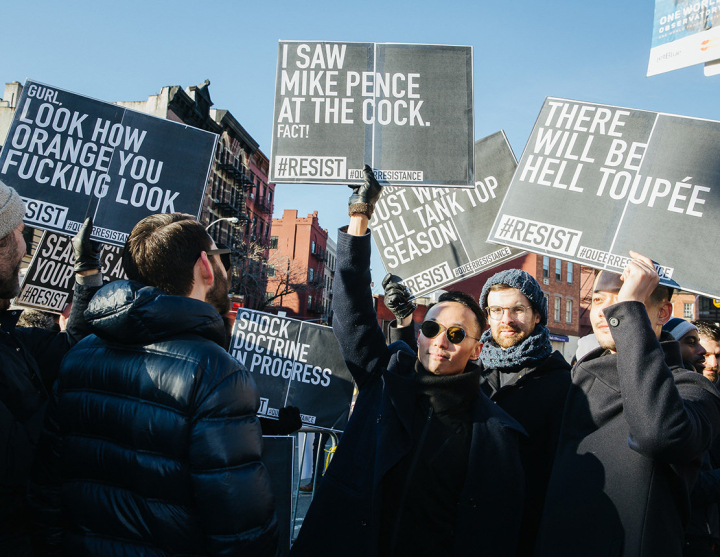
[87,251]
[363,199]
[397,298]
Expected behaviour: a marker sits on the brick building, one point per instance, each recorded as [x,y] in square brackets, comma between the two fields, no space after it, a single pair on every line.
[297,266]
[560,281]
[237,186]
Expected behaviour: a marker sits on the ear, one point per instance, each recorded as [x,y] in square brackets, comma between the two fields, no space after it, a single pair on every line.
[203,269]
[665,313]
[476,352]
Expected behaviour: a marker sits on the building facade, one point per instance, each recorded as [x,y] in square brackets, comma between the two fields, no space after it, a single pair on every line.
[297,266]
[330,263]
[238,201]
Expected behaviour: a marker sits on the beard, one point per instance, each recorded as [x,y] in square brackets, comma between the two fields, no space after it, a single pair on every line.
[217,296]
[504,341]
[9,281]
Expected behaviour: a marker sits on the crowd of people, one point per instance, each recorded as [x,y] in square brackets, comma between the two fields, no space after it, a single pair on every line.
[133,432]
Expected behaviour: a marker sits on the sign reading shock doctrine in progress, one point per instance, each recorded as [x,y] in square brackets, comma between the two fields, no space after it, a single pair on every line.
[50,278]
[70,157]
[294,363]
[596,181]
[685,32]
[404,109]
[433,237]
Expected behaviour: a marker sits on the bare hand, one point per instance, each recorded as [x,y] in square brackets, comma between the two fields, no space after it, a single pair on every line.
[639,279]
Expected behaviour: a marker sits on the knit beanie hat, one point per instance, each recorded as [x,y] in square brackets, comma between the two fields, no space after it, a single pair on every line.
[12,209]
[678,327]
[525,283]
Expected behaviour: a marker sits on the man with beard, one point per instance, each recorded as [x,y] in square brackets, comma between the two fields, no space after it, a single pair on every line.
[153,444]
[29,361]
[686,334]
[710,341]
[636,427]
[523,375]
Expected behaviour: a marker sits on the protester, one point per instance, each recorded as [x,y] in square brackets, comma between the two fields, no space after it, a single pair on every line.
[710,340]
[635,429]
[523,375]
[686,333]
[427,465]
[29,360]
[153,446]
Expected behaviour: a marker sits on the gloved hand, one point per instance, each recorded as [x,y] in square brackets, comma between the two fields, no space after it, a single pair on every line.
[86,251]
[397,298]
[289,420]
[364,196]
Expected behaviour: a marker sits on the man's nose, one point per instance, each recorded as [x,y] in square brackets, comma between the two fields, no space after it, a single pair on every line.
[441,340]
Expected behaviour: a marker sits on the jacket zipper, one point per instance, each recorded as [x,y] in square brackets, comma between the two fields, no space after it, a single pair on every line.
[406,489]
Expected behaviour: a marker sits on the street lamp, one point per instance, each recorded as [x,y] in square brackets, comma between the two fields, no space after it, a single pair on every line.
[231,220]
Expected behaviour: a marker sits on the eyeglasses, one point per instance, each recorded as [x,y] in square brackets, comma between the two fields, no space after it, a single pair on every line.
[455,334]
[516,312]
[224,252]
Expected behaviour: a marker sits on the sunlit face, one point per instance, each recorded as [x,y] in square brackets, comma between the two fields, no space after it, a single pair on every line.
[11,255]
[438,355]
[605,294]
[511,329]
[709,365]
[691,349]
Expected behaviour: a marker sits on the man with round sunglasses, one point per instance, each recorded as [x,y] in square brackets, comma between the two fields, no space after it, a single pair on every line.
[427,464]
[523,375]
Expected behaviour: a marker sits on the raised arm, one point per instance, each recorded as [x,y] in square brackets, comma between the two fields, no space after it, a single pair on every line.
[354,321]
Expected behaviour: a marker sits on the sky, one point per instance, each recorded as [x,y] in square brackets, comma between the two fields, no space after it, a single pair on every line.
[524,51]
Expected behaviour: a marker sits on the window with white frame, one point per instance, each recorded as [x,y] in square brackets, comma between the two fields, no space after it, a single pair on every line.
[568,311]
[558,301]
[688,310]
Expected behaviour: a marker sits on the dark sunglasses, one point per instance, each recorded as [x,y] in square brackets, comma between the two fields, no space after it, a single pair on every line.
[454,334]
[224,252]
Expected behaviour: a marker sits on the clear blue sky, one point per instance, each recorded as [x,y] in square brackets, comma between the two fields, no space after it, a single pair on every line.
[524,51]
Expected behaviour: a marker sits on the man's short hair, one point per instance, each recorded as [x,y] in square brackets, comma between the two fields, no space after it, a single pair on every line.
[162,250]
[466,300]
[661,294]
[708,329]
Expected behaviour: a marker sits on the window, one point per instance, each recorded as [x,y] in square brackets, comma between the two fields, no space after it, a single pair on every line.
[271,270]
[569,273]
[269,298]
[546,266]
[568,311]
[273,242]
[558,301]
[688,311]
[558,270]
[312,247]
[311,274]
[309,300]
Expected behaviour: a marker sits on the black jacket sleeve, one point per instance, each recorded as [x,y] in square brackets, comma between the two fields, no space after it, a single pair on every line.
[405,334]
[673,417]
[355,325]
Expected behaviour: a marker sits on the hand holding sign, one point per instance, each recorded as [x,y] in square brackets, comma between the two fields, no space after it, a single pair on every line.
[639,279]
[86,251]
[398,298]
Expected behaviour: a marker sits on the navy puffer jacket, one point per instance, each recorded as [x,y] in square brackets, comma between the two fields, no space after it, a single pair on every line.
[153,445]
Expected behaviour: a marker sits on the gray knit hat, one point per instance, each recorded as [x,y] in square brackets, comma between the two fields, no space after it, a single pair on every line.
[12,209]
[525,283]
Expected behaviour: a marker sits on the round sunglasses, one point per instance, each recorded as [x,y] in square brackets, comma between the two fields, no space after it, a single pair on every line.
[455,334]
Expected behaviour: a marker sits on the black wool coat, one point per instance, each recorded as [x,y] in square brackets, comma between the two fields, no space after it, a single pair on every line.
[343,517]
[29,361]
[535,397]
[635,430]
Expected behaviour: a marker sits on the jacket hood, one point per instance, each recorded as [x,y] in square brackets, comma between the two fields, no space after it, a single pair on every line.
[130,313]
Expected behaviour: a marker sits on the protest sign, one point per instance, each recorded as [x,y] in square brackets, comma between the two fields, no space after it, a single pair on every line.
[49,280]
[596,181]
[294,363]
[685,32]
[70,157]
[404,109]
[433,237]
[278,457]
